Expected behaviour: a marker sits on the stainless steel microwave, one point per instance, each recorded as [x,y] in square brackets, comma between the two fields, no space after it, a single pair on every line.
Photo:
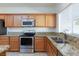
[29,22]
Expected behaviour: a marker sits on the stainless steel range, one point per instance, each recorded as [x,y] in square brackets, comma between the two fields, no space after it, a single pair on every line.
[27,42]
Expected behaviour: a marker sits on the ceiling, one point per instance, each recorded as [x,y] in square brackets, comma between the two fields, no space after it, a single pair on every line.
[32,7]
[28,4]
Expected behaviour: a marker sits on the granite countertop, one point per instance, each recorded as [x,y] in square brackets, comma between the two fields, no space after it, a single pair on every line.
[65,48]
[37,34]
[4,48]
[46,34]
[13,34]
[69,49]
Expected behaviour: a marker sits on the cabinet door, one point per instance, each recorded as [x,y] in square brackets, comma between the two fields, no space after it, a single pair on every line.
[14,43]
[9,20]
[31,16]
[2,17]
[40,20]
[51,50]
[39,44]
[24,16]
[4,40]
[17,20]
[54,51]
[51,20]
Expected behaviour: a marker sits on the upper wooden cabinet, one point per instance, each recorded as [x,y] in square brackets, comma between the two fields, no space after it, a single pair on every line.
[40,20]
[9,20]
[17,20]
[4,40]
[14,43]
[51,20]
[32,16]
[2,17]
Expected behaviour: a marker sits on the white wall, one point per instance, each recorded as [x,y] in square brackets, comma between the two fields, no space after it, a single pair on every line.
[36,29]
[75,18]
[68,19]
[65,20]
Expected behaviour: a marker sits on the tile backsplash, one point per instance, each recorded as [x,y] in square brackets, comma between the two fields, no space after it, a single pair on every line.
[36,29]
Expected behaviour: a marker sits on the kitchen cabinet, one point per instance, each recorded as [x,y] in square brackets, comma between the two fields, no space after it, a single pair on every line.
[39,44]
[2,17]
[9,21]
[14,43]
[3,53]
[51,50]
[51,20]
[17,20]
[40,20]
[4,40]
[24,16]
[59,53]
[32,16]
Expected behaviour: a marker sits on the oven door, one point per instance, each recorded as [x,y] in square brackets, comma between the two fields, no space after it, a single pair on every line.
[26,42]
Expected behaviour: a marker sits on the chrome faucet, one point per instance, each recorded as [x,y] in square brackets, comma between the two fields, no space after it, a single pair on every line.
[65,34]
[65,38]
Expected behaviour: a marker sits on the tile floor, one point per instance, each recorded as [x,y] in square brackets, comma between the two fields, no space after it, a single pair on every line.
[25,54]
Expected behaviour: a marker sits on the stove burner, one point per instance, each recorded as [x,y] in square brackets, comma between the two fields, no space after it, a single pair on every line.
[28,34]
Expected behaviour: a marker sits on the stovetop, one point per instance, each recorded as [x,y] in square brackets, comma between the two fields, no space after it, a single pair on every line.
[27,35]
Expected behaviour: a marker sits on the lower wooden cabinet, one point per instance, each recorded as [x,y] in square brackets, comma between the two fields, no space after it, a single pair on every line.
[3,53]
[43,44]
[14,43]
[39,44]
[4,40]
[51,50]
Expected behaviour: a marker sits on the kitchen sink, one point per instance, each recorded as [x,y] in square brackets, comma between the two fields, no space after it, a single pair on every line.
[57,40]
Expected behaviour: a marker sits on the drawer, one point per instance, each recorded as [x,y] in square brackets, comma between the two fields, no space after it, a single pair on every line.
[39,37]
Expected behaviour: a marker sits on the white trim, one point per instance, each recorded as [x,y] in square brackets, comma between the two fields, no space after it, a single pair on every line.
[65,8]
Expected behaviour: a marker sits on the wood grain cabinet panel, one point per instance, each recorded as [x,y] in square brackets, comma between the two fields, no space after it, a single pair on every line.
[51,50]
[17,20]
[2,17]
[9,20]
[14,43]
[31,16]
[24,16]
[40,20]
[39,44]
[51,20]
[4,40]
